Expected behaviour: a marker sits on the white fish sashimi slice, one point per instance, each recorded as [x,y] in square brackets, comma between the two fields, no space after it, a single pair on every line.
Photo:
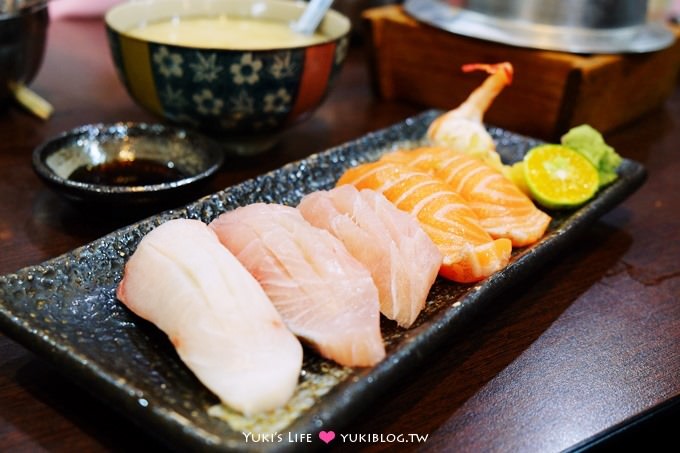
[217,316]
[324,295]
[402,259]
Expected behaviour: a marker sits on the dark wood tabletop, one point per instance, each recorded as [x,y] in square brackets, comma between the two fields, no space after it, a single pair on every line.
[590,343]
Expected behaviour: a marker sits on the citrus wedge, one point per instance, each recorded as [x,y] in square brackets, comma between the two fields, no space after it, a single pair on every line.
[515,173]
[559,177]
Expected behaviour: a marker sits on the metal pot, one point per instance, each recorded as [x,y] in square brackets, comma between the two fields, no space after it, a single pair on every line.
[595,14]
[579,26]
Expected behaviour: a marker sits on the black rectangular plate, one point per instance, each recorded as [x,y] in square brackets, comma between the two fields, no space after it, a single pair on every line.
[65,309]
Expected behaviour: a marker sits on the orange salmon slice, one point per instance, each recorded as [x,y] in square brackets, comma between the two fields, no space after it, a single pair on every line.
[470,253]
[503,210]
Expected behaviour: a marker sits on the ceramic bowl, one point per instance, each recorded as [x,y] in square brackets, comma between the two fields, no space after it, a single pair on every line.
[127,163]
[23,33]
[246,98]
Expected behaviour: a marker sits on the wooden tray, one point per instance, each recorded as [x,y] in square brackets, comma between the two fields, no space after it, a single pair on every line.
[551,91]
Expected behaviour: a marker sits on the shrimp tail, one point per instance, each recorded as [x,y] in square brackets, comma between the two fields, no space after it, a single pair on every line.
[503,69]
[462,128]
[479,101]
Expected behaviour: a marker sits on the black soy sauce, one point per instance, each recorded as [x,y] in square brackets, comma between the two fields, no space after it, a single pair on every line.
[138,172]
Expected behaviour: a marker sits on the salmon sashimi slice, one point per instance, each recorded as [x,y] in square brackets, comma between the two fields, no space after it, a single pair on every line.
[504,211]
[324,295]
[469,253]
[402,259]
[221,322]
[462,129]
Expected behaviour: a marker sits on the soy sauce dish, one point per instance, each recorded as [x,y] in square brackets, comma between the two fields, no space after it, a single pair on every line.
[127,163]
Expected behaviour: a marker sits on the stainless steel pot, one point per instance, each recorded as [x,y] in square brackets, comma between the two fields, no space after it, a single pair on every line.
[594,14]
[580,26]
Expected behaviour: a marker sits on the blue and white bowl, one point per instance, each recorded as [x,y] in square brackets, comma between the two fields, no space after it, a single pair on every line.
[246,98]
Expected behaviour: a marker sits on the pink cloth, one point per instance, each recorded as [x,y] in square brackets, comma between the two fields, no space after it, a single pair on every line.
[80,8]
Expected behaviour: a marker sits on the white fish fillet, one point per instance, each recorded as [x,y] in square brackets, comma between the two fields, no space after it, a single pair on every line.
[402,259]
[217,316]
[324,295]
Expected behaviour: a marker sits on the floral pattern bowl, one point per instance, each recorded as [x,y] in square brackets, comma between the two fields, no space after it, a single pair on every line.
[243,98]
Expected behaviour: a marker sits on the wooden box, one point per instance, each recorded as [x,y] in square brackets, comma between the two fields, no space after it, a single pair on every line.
[551,91]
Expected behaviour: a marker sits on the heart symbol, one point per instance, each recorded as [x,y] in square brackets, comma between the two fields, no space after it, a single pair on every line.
[327,436]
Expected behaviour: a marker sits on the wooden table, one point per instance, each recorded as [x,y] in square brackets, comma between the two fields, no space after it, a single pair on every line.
[589,342]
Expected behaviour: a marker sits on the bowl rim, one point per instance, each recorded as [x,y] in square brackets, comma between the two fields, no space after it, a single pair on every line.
[292,4]
[211,149]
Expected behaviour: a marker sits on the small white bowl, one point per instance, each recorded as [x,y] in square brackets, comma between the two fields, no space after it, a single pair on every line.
[127,163]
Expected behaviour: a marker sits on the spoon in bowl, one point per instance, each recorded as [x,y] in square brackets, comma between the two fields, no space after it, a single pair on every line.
[311,17]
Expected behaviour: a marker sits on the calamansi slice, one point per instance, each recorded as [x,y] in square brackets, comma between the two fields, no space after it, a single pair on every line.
[559,177]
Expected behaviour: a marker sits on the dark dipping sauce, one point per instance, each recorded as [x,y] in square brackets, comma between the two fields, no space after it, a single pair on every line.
[138,172]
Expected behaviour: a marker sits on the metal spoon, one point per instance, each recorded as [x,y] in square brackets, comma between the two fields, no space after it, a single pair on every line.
[311,17]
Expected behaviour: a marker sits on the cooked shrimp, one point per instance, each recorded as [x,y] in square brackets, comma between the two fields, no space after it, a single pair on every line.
[462,129]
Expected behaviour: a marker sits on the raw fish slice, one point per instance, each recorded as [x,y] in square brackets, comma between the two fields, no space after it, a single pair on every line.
[462,129]
[217,316]
[504,211]
[402,259]
[324,295]
[470,254]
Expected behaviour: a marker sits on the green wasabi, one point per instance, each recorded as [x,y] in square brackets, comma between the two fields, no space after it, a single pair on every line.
[590,143]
